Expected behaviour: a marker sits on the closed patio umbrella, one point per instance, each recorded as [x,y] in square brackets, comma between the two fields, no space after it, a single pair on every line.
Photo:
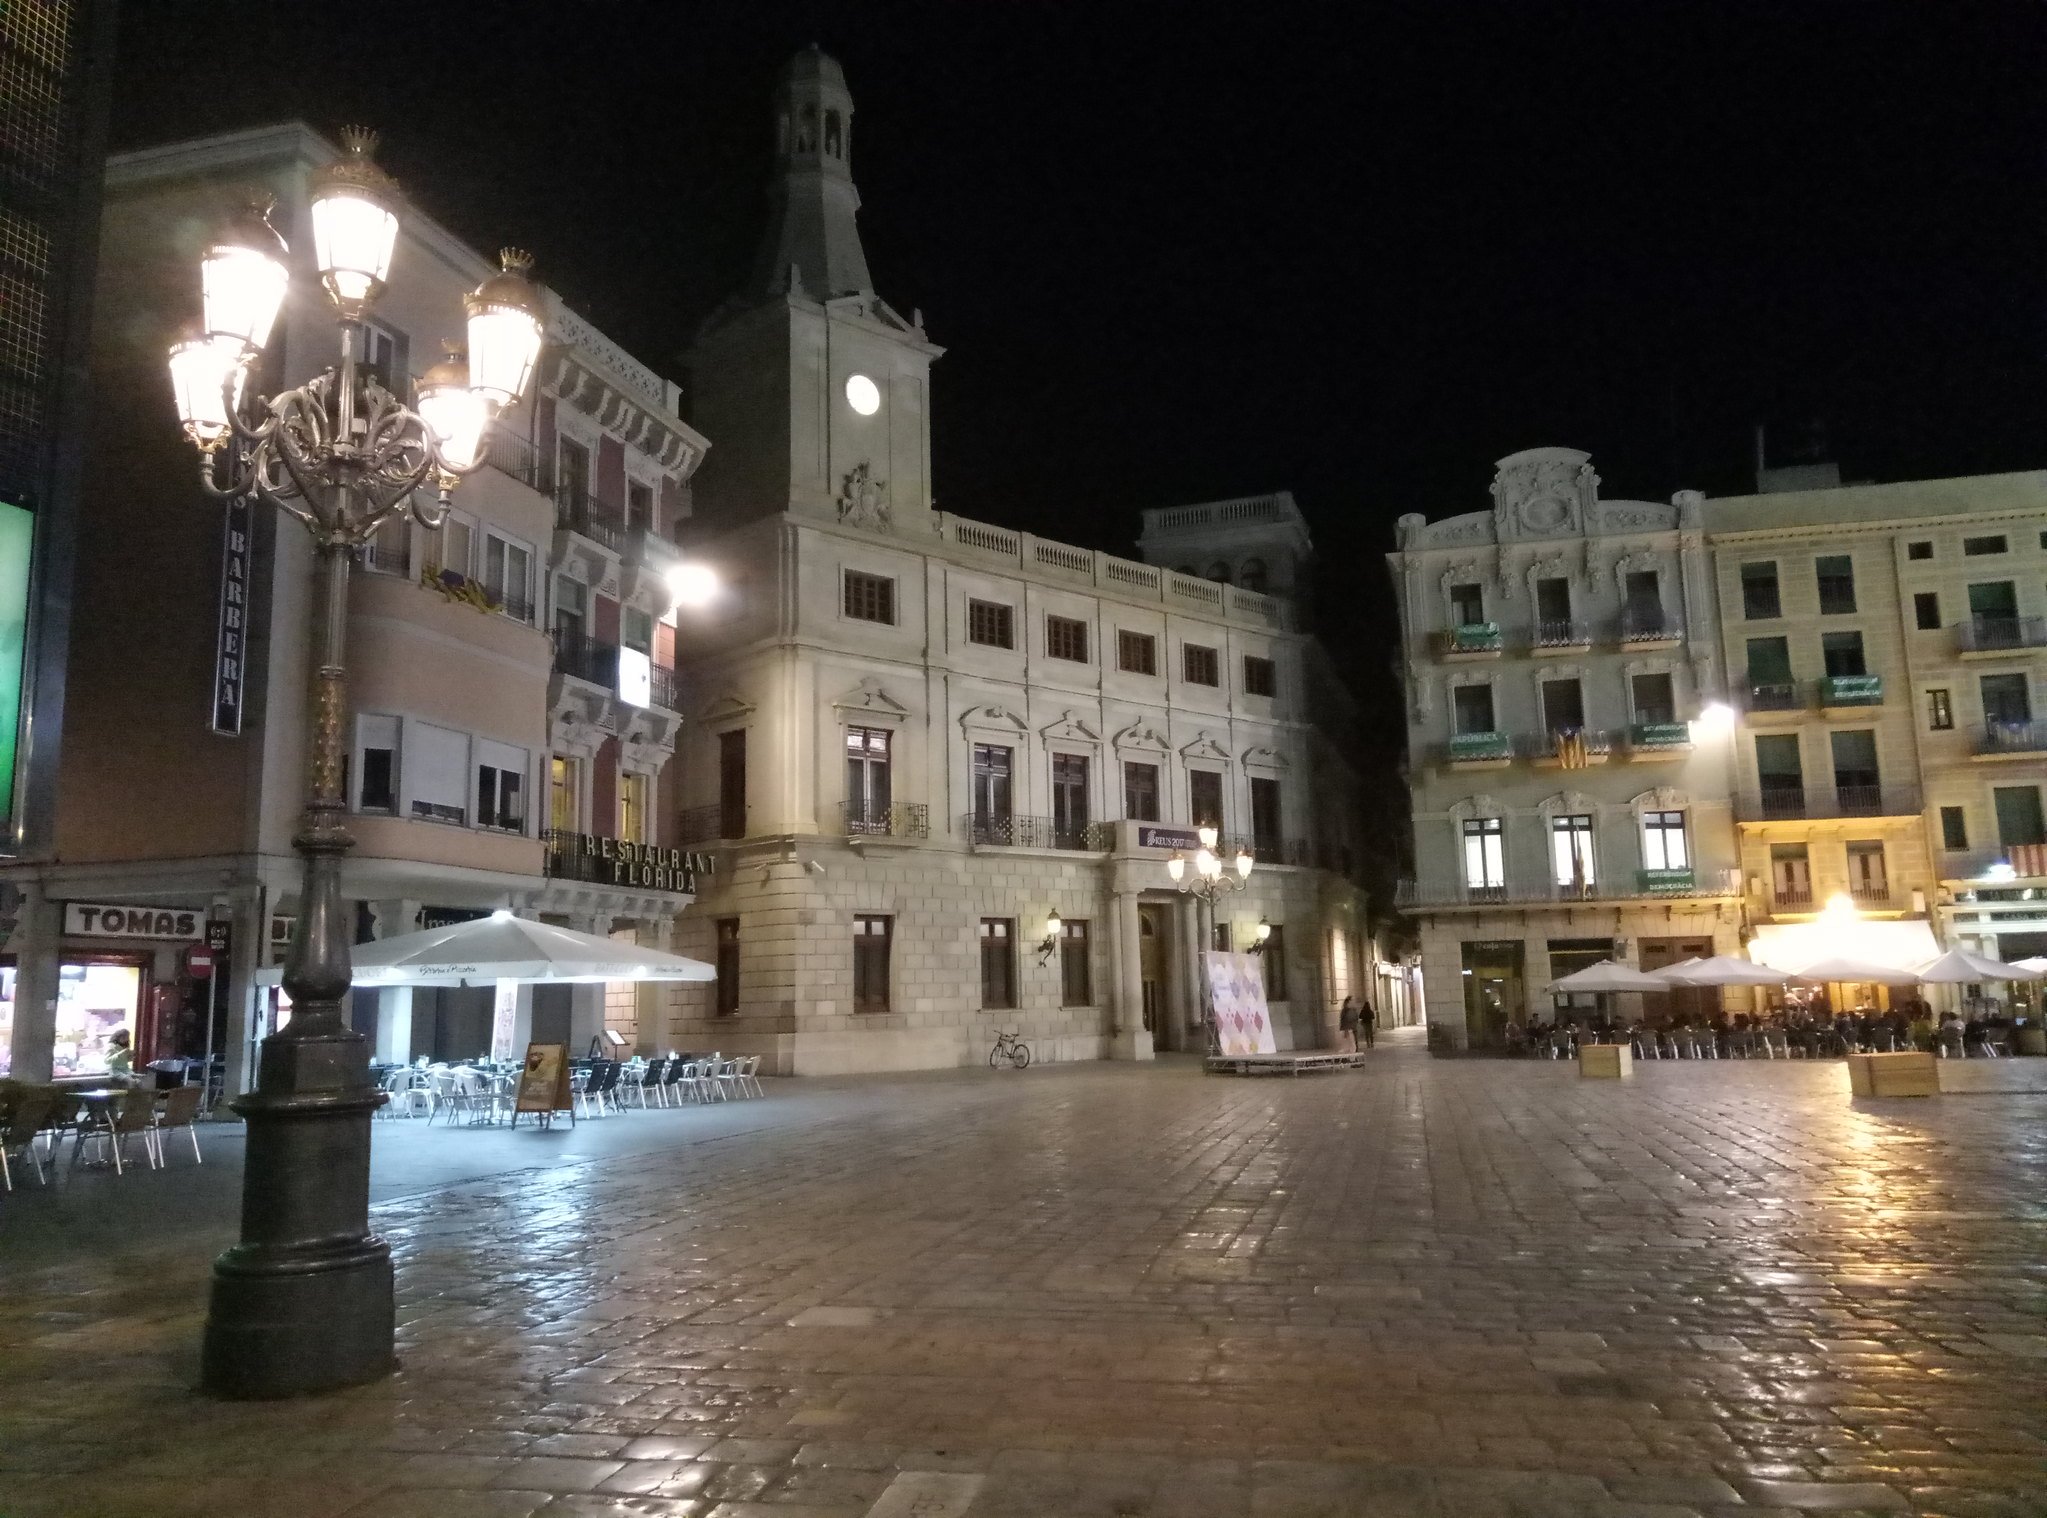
[503,947]
[1959,967]
[1607,976]
[1722,970]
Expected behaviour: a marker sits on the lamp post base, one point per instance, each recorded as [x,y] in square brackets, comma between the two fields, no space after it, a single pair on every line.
[305,1303]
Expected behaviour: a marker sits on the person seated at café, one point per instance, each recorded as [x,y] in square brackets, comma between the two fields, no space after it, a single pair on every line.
[120,1054]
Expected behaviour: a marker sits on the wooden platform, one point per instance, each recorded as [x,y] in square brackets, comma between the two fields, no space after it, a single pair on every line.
[1613,1062]
[1912,1074]
[1292,1062]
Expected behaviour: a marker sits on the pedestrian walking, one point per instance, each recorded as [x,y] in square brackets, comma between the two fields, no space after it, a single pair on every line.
[1368,1022]
[1347,1021]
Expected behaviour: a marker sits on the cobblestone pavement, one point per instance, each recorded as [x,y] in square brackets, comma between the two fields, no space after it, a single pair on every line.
[1460,1289]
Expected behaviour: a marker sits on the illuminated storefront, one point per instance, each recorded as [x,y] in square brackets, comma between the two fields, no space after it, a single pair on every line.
[95,999]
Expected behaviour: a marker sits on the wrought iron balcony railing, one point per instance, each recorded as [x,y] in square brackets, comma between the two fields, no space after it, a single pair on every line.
[1625,886]
[1553,632]
[1648,625]
[511,454]
[1012,830]
[1774,696]
[2026,736]
[587,658]
[1790,803]
[901,819]
[1993,634]
[579,511]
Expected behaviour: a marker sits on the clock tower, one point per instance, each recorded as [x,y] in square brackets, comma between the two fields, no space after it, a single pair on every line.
[815,390]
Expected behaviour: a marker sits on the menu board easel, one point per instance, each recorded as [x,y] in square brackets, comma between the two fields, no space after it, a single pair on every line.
[544,1085]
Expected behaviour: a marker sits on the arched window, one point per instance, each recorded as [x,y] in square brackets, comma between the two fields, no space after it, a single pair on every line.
[1252,575]
[1219,572]
[831,133]
[806,130]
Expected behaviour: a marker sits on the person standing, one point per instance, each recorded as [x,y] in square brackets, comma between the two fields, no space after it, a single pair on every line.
[1347,1022]
[1368,1022]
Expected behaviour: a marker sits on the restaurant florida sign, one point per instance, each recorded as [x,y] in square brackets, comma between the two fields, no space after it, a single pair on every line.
[617,861]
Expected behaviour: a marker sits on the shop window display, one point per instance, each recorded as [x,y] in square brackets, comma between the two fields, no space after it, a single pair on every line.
[93,1001]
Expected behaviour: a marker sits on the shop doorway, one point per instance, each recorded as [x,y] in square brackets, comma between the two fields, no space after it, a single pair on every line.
[1696,1005]
[1494,990]
[1151,970]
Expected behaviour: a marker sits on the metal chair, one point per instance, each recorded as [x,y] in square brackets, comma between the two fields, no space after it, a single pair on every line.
[650,1079]
[133,1114]
[27,1115]
[179,1110]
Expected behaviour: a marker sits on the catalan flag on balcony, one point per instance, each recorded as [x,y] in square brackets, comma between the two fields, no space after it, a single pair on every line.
[1570,749]
[2028,859]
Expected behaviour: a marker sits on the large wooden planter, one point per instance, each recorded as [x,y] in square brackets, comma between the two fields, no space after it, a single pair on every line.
[1912,1074]
[1606,1062]
[2032,1040]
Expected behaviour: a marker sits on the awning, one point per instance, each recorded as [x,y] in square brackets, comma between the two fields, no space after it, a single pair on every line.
[1894,943]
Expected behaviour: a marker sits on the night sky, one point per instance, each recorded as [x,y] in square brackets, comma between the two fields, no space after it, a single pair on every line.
[1184,252]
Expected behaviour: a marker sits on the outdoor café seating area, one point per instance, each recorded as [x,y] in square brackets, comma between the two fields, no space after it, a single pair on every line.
[105,1125]
[483,1092]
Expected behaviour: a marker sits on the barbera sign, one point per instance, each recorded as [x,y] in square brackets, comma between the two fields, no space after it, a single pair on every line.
[86,919]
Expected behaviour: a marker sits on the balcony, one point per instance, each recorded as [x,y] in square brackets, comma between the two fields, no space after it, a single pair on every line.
[1011,830]
[598,860]
[578,511]
[1562,635]
[516,456]
[2024,738]
[1874,894]
[1643,885]
[1652,741]
[1986,637]
[1649,627]
[901,822]
[1850,693]
[1791,899]
[1666,882]
[1480,751]
[587,658]
[1572,749]
[1473,640]
[1284,851]
[1791,803]
[1767,698]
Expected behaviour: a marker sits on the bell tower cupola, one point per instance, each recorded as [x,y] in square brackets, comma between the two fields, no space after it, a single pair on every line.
[811,237]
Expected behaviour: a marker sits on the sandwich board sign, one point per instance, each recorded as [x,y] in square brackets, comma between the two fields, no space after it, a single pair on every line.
[544,1084]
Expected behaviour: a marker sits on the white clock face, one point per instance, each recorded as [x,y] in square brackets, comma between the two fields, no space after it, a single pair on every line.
[863,395]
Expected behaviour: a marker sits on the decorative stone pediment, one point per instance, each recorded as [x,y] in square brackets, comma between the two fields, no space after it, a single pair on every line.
[1663,799]
[1205,747]
[1070,729]
[1141,735]
[868,702]
[1570,804]
[1263,758]
[726,708]
[1543,493]
[1472,807]
[997,717]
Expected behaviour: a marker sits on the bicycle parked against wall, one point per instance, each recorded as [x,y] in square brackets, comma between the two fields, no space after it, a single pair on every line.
[1008,1046]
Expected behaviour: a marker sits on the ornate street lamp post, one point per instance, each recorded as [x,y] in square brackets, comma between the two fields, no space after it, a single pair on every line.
[1209,883]
[304,1302]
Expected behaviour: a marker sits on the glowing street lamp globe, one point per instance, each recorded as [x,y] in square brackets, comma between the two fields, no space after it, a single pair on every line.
[242,278]
[207,375]
[505,324]
[355,222]
[454,413]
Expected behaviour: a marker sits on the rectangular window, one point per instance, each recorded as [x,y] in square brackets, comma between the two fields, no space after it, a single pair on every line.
[1472,709]
[1954,828]
[1266,821]
[632,808]
[1553,604]
[453,547]
[2018,815]
[571,610]
[1273,963]
[386,552]
[1841,653]
[1994,615]
[1663,841]
[732,784]
[1642,602]
[636,629]
[1836,575]
[1069,801]
[1855,772]
[571,473]
[1926,610]
[991,624]
[1066,638]
[386,358]
[1485,858]
[1868,879]
[508,576]
[1769,662]
[1759,600]
[1260,677]
[564,791]
[1137,653]
[991,778]
[1781,773]
[1219,938]
[1919,550]
[1978,547]
[1790,876]
[871,937]
[869,782]
[1141,792]
[998,963]
[1467,605]
[437,768]
[870,598]
[639,506]
[2006,700]
[376,764]
[1198,665]
[1076,974]
[1563,706]
[1940,711]
[1205,797]
[1571,853]
[500,786]
[1655,700]
[728,966]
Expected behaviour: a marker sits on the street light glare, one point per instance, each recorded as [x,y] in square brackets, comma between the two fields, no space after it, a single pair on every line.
[202,371]
[1715,719]
[242,279]
[693,585]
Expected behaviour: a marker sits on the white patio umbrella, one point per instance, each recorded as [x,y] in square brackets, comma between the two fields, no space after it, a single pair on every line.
[1722,970]
[1607,976]
[2038,966]
[1959,967]
[1855,972]
[502,947]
